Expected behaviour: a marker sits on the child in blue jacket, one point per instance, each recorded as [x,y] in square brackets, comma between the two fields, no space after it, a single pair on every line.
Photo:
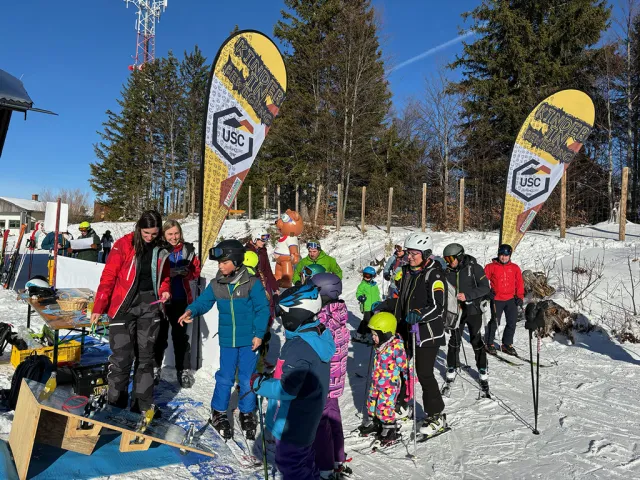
[242,323]
[298,390]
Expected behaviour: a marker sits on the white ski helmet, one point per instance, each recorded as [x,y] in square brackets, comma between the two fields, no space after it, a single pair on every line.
[419,241]
[37,281]
[258,233]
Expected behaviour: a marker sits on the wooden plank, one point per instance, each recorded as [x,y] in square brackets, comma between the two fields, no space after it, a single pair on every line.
[563,205]
[389,207]
[622,233]
[131,442]
[364,197]
[461,209]
[318,199]
[53,429]
[23,429]
[74,430]
[250,203]
[424,207]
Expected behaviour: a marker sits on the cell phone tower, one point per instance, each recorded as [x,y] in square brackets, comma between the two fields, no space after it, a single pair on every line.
[149,12]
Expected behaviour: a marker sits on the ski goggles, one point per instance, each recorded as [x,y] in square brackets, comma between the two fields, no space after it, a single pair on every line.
[450,258]
[220,254]
[505,251]
[265,237]
[315,245]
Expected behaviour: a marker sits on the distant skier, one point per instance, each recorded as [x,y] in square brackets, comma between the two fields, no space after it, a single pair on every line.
[367,295]
[106,241]
[317,255]
[472,287]
[507,285]
[243,318]
[393,266]
[89,254]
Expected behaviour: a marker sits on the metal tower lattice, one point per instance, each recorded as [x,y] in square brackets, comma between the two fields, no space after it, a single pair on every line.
[149,12]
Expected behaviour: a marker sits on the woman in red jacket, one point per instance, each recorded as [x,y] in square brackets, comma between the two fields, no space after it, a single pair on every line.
[135,277]
[508,290]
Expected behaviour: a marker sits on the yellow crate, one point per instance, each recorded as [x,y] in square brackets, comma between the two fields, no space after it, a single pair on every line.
[68,352]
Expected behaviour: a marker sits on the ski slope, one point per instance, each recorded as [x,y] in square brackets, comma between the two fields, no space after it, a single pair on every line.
[588,413]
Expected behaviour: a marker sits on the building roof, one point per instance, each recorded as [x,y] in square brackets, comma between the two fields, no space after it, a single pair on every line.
[13,94]
[28,205]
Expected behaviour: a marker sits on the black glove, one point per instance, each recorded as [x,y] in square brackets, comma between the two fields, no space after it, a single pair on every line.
[386,276]
[534,317]
[362,298]
[518,302]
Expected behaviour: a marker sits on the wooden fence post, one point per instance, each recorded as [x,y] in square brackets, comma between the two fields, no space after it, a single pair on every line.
[389,210]
[563,205]
[424,207]
[278,195]
[364,196]
[249,208]
[461,211]
[623,204]
[264,201]
[297,199]
[318,199]
[235,203]
[339,207]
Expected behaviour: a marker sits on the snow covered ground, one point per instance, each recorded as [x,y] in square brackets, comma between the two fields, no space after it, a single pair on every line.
[588,412]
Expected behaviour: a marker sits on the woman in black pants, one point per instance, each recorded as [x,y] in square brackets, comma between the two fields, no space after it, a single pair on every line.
[185,267]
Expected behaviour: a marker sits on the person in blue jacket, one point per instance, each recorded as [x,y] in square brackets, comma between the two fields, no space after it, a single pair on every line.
[297,392]
[242,323]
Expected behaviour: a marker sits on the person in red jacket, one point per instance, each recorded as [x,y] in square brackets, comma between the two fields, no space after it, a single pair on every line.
[185,268]
[135,277]
[507,286]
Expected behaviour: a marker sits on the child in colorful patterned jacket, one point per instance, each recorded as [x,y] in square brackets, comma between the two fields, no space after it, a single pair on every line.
[329,442]
[389,365]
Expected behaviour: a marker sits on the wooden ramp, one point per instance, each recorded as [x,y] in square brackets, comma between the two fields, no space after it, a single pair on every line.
[49,423]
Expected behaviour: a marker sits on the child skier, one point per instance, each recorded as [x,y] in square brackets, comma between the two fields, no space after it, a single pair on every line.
[389,364]
[243,316]
[367,295]
[329,442]
[298,390]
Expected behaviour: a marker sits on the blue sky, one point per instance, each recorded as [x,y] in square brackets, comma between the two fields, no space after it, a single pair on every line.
[73,59]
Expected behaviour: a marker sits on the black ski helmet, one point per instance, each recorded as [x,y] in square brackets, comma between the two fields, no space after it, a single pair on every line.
[454,250]
[329,284]
[505,249]
[228,250]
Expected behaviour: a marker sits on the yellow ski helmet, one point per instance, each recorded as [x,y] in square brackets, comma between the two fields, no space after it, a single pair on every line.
[384,322]
[84,225]
[250,259]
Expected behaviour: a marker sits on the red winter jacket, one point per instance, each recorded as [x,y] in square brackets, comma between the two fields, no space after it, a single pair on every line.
[119,276]
[505,279]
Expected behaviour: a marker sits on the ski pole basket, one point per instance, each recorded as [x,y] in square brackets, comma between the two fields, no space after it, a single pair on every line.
[68,303]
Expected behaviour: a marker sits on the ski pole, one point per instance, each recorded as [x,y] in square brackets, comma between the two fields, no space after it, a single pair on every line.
[464,351]
[366,386]
[537,380]
[413,392]
[533,385]
[264,441]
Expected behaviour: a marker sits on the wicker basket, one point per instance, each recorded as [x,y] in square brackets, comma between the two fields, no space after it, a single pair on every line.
[69,303]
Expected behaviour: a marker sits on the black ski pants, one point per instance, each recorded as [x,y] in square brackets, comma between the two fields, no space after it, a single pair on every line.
[510,310]
[132,335]
[181,346]
[455,341]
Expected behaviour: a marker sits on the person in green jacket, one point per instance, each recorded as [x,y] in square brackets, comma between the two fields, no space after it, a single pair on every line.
[89,254]
[316,255]
[367,295]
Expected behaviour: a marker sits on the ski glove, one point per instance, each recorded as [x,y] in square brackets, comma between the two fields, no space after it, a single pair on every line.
[415,328]
[256,381]
[413,318]
[386,276]
[362,298]
[518,301]
[374,306]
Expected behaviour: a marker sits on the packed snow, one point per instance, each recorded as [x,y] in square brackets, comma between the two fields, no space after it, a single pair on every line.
[588,411]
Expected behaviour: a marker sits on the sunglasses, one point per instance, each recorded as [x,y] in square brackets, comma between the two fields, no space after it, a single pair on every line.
[449,258]
[315,245]
[414,253]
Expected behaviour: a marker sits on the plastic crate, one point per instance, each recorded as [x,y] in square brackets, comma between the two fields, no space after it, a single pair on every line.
[68,352]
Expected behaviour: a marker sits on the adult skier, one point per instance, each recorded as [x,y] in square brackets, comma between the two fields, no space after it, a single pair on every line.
[90,254]
[107,242]
[317,255]
[507,286]
[471,284]
[420,309]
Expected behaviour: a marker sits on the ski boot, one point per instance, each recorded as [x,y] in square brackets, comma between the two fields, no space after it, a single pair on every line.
[371,427]
[484,382]
[342,471]
[221,423]
[451,374]
[491,349]
[389,435]
[434,425]
[509,350]
[404,411]
[248,425]
[185,378]
[156,375]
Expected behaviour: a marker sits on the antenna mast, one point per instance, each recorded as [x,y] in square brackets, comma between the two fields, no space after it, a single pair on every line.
[149,12]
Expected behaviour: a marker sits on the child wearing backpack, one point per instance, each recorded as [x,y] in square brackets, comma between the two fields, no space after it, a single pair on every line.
[390,364]
[329,442]
[367,295]
[298,390]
